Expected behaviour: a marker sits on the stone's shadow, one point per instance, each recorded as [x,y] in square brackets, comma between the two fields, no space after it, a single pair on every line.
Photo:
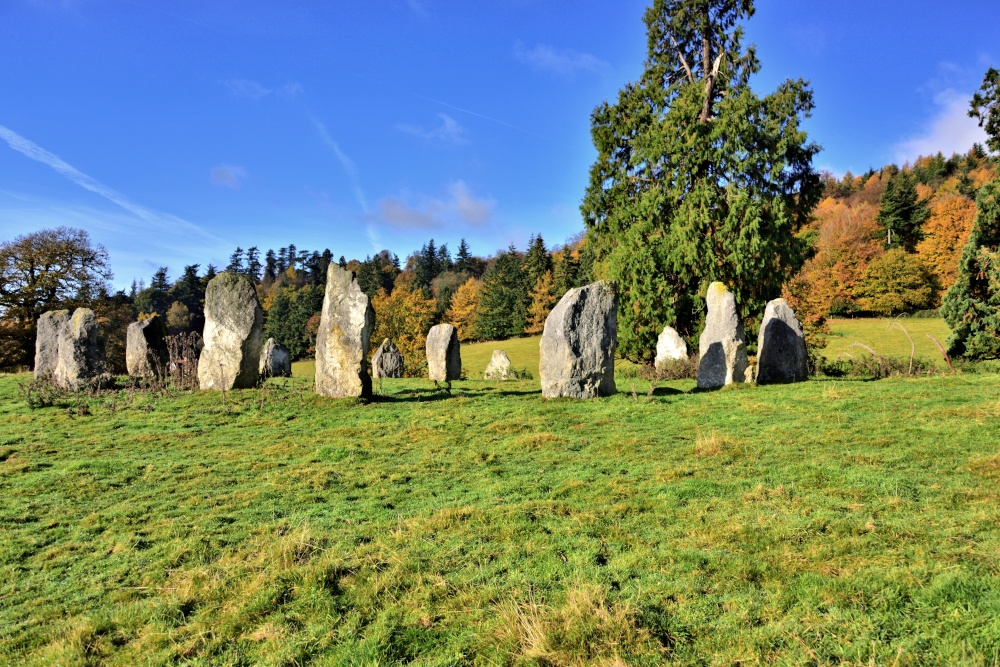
[513,392]
[667,391]
[783,357]
[409,397]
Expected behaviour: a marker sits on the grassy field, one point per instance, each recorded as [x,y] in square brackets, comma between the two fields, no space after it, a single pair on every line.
[790,525]
[886,337]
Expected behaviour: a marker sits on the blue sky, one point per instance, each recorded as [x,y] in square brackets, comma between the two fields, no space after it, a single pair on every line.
[175,130]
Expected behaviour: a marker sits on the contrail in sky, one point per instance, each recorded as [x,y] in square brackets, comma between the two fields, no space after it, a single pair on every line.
[346,162]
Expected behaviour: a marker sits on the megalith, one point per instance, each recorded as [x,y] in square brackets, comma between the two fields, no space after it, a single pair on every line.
[578,343]
[387,361]
[499,366]
[669,347]
[275,360]
[233,335]
[80,359]
[48,331]
[444,354]
[345,331]
[723,344]
[146,347]
[781,346]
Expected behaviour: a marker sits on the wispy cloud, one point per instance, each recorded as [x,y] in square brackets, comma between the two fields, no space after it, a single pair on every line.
[347,163]
[562,62]
[950,130]
[252,90]
[417,8]
[228,176]
[460,207]
[449,131]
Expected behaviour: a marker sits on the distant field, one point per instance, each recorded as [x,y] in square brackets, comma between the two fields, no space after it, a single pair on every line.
[886,338]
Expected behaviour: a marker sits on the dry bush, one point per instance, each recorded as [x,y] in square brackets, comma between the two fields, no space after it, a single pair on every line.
[182,364]
[715,444]
[682,369]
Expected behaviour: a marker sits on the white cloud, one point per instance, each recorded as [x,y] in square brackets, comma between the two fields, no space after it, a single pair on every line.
[449,131]
[949,131]
[251,90]
[459,208]
[228,176]
[563,62]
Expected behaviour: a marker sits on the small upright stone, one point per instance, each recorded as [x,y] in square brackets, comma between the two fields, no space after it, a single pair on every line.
[444,355]
[48,331]
[499,366]
[81,358]
[781,346]
[670,347]
[146,347]
[275,360]
[233,335]
[723,345]
[578,344]
[345,331]
[388,361]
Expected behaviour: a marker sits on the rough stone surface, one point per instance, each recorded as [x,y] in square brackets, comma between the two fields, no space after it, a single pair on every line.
[670,347]
[578,344]
[723,345]
[81,358]
[146,347]
[499,366]
[344,334]
[233,334]
[49,329]
[275,360]
[388,361]
[444,355]
[781,346]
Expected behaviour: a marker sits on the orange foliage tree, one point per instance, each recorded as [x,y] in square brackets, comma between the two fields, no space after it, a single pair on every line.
[404,317]
[945,234]
[462,313]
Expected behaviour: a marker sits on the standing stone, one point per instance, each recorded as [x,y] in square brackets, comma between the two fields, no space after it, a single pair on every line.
[275,360]
[388,361]
[233,334]
[146,347]
[723,345]
[344,334]
[49,329]
[81,358]
[578,343]
[781,346]
[670,347]
[499,367]
[444,355]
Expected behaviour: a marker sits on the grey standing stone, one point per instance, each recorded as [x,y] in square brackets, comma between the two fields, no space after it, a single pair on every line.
[781,346]
[344,334]
[81,359]
[723,344]
[233,335]
[49,329]
[670,347]
[146,347]
[499,366]
[444,354]
[275,360]
[388,361]
[578,343]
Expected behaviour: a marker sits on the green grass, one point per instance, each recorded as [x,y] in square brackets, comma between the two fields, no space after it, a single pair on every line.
[886,338]
[790,525]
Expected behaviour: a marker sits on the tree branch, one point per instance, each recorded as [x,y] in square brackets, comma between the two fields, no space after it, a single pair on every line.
[677,48]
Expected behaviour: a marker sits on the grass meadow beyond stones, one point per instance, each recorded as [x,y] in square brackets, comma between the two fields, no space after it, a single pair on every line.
[831,522]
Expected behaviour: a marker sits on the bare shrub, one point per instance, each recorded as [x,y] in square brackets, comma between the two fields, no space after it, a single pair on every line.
[681,369]
[182,364]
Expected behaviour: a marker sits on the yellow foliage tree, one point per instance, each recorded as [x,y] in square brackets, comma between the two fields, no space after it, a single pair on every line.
[404,317]
[543,299]
[462,313]
[945,234]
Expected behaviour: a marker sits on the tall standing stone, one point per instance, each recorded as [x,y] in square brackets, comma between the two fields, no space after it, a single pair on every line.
[388,361]
[781,346]
[444,354]
[499,366]
[723,345]
[669,347]
[275,360]
[81,358]
[233,336]
[49,329]
[345,331]
[578,344]
[146,347]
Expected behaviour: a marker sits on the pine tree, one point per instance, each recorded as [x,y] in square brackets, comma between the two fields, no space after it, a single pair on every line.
[564,274]
[282,263]
[462,258]
[270,268]
[427,266]
[986,108]
[536,261]
[543,299]
[502,299]
[236,262]
[342,263]
[253,269]
[189,290]
[902,213]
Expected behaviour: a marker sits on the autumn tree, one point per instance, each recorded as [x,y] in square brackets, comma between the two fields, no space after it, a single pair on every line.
[897,282]
[462,313]
[697,177]
[543,299]
[946,232]
[404,317]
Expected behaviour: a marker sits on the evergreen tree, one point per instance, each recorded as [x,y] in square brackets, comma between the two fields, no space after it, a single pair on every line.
[986,108]
[342,263]
[368,277]
[270,268]
[443,260]
[189,291]
[902,213]
[210,273]
[537,261]
[236,262]
[462,258]
[585,266]
[291,256]
[324,264]
[427,266]
[502,298]
[314,265]
[253,270]
[564,275]
[697,178]
[282,264]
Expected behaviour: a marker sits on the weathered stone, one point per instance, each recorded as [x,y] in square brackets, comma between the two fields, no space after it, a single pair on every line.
[781,346]
[670,347]
[388,361]
[499,366]
[81,359]
[444,355]
[146,347]
[233,334]
[275,360]
[723,345]
[578,344]
[344,334]
[48,331]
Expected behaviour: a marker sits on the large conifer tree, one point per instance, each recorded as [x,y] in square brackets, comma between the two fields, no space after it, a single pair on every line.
[502,299]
